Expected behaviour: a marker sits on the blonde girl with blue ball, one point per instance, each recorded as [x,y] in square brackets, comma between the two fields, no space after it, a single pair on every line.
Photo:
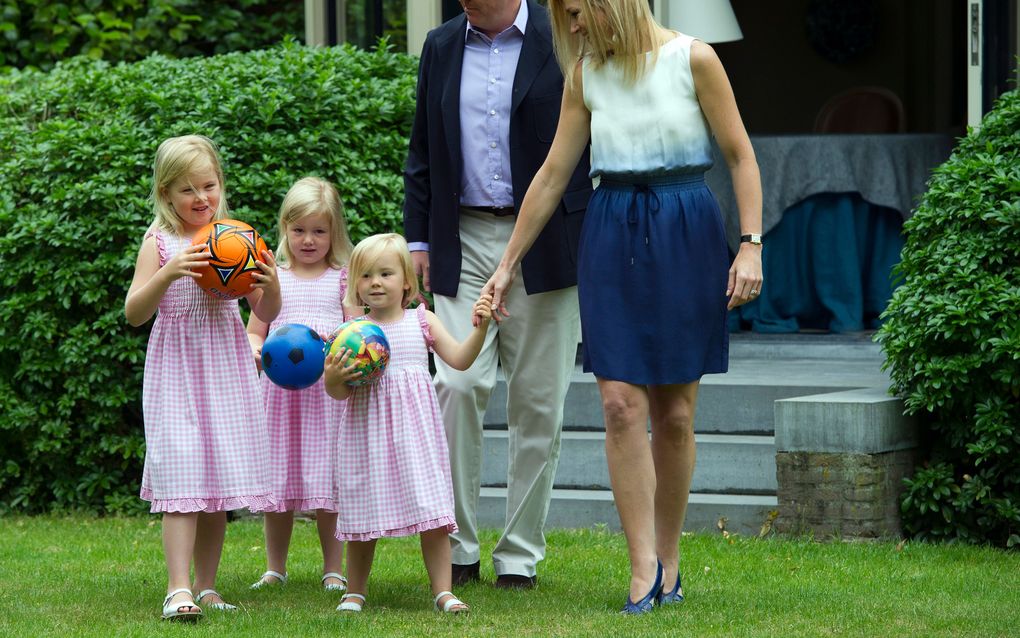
[313,253]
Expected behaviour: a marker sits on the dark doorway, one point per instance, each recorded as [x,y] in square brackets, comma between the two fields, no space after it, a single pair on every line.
[998,50]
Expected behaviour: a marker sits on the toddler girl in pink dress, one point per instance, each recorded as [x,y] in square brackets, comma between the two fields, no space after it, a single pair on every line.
[393,469]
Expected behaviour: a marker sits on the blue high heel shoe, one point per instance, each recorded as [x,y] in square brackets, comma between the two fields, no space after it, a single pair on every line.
[647,603]
[670,597]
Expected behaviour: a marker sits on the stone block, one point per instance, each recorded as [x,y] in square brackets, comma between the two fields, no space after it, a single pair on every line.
[865,420]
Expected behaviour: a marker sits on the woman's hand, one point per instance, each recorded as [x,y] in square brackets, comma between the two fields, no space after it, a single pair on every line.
[745,277]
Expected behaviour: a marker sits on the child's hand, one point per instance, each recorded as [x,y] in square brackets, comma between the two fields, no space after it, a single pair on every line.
[266,278]
[258,358]
[337,370]
[482,312]
[184,263]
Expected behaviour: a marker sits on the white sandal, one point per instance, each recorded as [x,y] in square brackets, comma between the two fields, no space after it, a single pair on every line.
[334,587]
[224,606]
[172,611]
[351,605]
[448,606]
[281,579]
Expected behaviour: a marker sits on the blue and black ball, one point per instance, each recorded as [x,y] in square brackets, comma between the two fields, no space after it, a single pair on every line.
[293,356]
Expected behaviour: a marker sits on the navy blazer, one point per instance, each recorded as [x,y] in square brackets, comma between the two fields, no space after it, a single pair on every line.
[432,174]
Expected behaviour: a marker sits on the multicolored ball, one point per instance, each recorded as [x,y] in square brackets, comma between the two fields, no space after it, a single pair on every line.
[370,350]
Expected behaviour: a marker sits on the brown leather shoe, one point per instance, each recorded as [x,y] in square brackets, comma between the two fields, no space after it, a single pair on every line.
[464,574]
[516,581]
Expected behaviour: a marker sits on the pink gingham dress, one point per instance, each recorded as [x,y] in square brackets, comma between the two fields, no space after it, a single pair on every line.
[206,444]
[393,468]
[303,423]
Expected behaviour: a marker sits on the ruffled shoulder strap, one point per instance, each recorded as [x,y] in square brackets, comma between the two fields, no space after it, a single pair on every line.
[160,244]
[343,291]
[424,323]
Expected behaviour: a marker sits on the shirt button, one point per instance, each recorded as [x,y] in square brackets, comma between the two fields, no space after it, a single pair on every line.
[495,50]
[492,80]
[492,112]
[496,177]
[492,145]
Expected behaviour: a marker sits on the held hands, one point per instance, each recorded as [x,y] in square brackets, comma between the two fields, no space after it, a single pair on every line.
[266,279]
[482,312]
[745,277]
[184,263]
[497,289]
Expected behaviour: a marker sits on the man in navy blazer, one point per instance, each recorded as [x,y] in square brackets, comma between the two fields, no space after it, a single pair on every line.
[489,93]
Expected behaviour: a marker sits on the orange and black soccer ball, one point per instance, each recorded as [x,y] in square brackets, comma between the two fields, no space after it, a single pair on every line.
[235,246]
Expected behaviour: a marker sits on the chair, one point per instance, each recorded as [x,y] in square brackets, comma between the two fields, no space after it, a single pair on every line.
[863,109]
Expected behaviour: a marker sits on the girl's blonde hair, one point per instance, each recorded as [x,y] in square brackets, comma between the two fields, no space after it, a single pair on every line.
[620,30]
[314,196]
[179,157]
[367,252]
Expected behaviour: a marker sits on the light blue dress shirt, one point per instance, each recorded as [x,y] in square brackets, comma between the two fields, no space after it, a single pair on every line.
[486,92]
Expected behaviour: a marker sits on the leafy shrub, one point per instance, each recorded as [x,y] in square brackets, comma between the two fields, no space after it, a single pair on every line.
[76,151]
[40,32]
[952,338]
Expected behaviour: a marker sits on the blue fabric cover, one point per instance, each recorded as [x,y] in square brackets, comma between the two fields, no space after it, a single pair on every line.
[827,265]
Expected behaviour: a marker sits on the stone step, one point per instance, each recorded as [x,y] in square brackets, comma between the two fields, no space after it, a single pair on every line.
[739,401]
[830,347]
[735,475]
[743,514]
[726,464]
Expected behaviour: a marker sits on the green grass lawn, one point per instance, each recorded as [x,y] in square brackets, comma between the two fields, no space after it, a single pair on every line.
[82,576]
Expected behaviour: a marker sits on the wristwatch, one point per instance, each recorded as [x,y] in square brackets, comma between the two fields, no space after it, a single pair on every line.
[753,238]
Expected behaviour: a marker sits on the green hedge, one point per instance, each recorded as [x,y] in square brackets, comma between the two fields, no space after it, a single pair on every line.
[76,150]
[38,33]
[952,338]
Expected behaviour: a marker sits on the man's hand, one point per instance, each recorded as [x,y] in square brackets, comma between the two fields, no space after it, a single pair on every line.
[420,259]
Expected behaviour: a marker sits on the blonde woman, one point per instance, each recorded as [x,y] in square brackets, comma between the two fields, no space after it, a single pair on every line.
[654,281]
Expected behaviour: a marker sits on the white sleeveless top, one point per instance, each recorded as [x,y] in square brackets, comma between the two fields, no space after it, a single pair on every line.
[653,127]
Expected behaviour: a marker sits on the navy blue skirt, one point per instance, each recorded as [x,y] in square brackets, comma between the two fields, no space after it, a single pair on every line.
[652,268]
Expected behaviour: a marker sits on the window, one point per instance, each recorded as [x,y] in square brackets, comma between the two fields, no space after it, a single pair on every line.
[368,20]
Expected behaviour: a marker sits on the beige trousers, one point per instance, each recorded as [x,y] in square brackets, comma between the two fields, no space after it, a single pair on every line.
[536,348]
